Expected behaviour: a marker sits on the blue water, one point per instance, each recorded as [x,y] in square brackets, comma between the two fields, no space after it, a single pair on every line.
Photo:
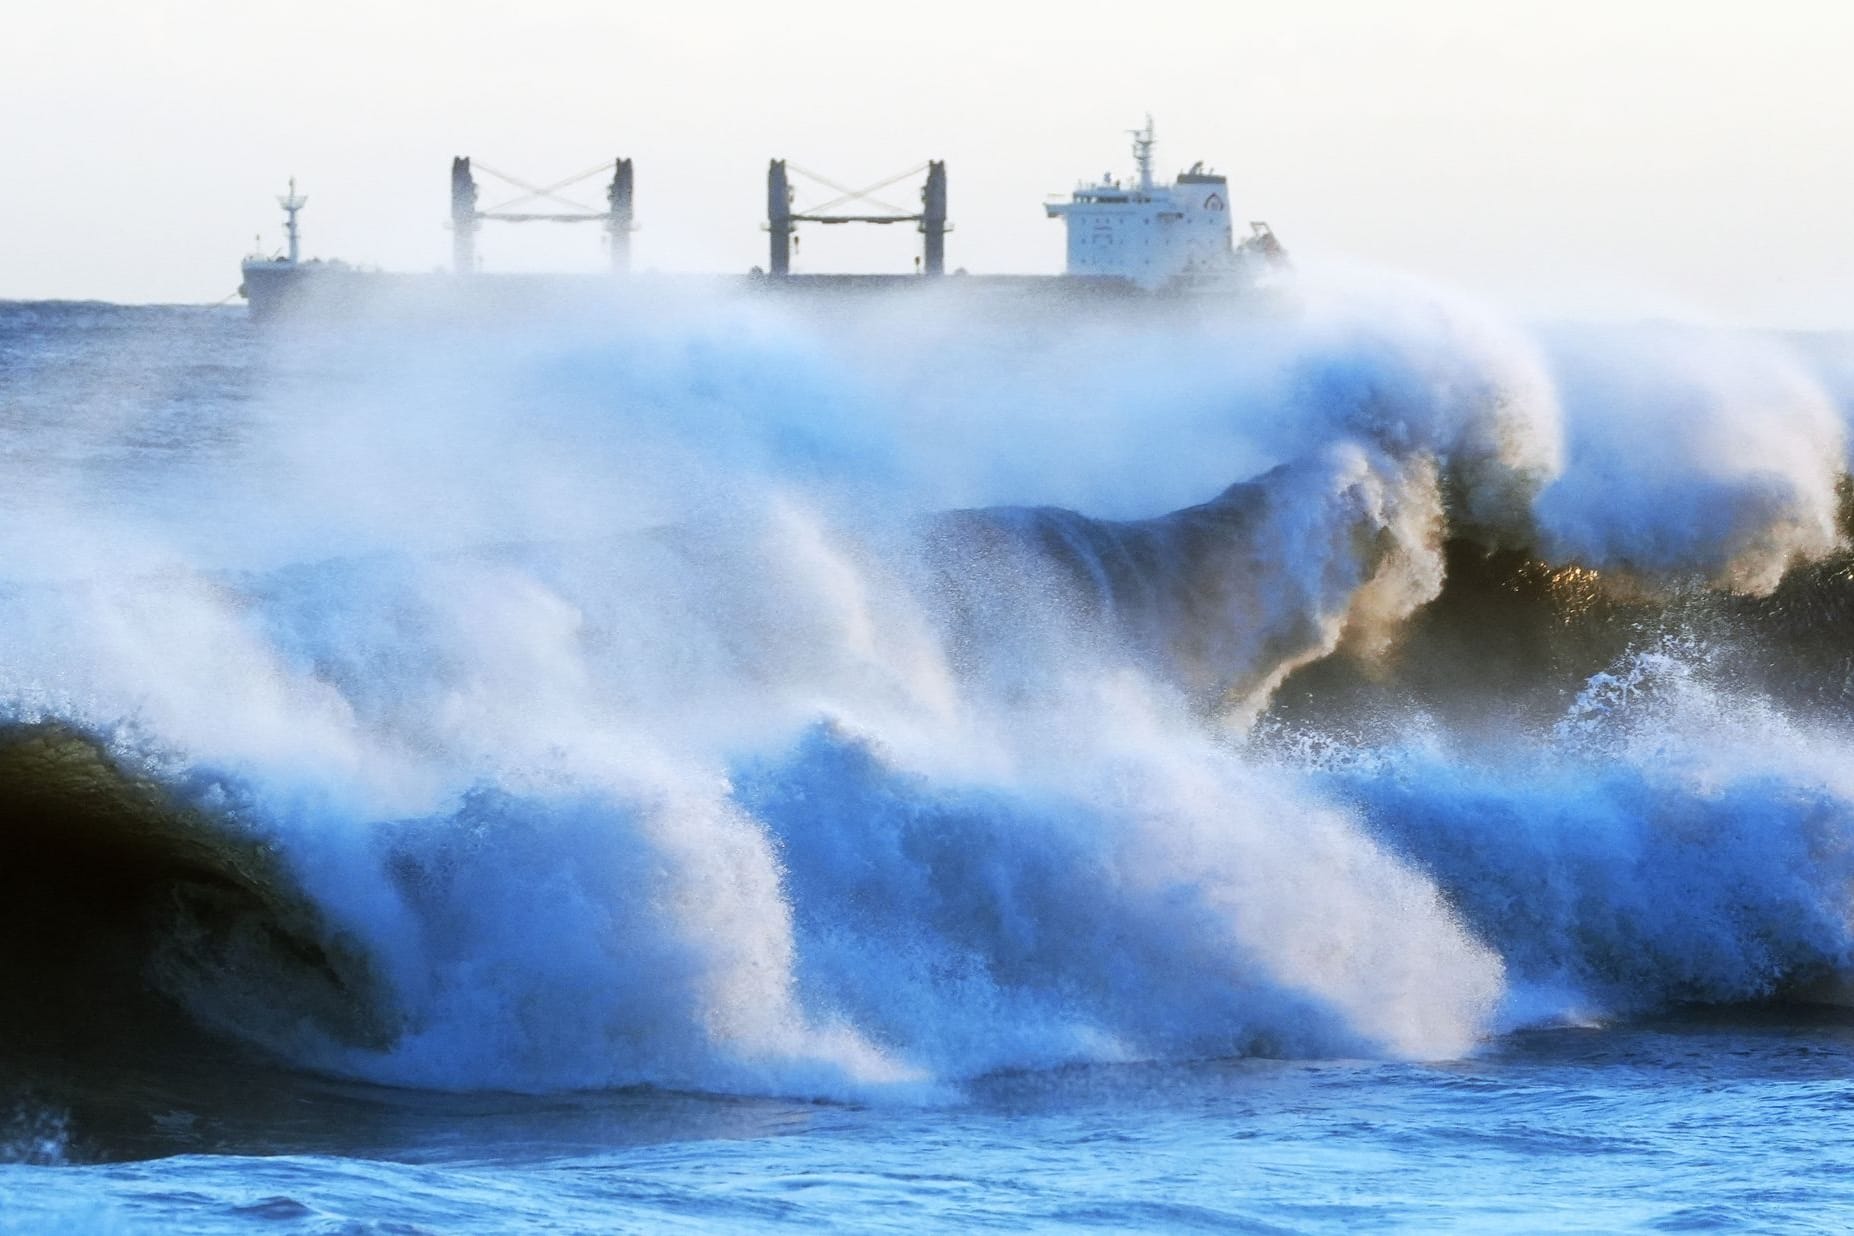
[726,767]
[1682,1126]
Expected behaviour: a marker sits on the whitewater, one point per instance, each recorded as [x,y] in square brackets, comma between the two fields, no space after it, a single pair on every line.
[726,762]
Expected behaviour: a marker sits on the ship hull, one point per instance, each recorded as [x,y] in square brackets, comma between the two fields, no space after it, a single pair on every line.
[280,290]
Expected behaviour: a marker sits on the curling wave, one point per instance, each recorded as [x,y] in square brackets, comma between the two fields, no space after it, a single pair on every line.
[728,732]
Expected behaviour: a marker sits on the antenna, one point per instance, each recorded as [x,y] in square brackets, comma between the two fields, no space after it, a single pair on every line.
[1143,142]
[291,203]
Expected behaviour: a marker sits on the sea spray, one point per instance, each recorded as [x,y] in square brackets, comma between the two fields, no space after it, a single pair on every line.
[1693,453]
[1673,839]
[738,699]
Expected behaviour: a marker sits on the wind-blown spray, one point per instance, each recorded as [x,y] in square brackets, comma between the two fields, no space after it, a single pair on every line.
[736,698]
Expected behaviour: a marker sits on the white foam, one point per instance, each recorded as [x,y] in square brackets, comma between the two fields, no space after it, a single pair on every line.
[596,682]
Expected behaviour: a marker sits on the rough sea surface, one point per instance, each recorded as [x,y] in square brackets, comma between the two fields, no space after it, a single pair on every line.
[668,762]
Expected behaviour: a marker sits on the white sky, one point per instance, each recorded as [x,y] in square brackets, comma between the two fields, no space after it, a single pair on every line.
[1573,158]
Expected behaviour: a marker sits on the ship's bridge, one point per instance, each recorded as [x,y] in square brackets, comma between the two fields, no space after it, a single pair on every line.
[1151,234]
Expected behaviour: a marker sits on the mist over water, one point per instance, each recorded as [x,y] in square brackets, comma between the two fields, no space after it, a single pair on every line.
[857,702]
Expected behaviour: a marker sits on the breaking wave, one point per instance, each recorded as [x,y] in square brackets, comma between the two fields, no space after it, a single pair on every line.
[769,701]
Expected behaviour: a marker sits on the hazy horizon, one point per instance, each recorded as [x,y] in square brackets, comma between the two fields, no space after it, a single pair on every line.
[1574,159]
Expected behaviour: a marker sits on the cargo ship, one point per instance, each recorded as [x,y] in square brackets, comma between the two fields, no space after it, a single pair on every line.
[1134,238]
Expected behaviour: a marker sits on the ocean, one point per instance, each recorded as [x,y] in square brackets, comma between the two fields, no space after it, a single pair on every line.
[727,764]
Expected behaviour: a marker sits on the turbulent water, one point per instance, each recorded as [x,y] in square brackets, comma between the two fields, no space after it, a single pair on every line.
[916,762]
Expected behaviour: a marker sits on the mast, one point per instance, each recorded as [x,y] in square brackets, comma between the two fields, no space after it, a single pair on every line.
[933,218]
[618,222]
[779,217]
[291,203]
[463,216]
[1143,142]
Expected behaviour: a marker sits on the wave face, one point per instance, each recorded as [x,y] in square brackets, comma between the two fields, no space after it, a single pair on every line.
[763,699]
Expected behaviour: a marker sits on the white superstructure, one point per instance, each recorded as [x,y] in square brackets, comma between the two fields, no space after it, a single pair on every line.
[1157,234]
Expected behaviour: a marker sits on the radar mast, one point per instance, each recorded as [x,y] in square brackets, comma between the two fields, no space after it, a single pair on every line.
[1143,142]
[291,203]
